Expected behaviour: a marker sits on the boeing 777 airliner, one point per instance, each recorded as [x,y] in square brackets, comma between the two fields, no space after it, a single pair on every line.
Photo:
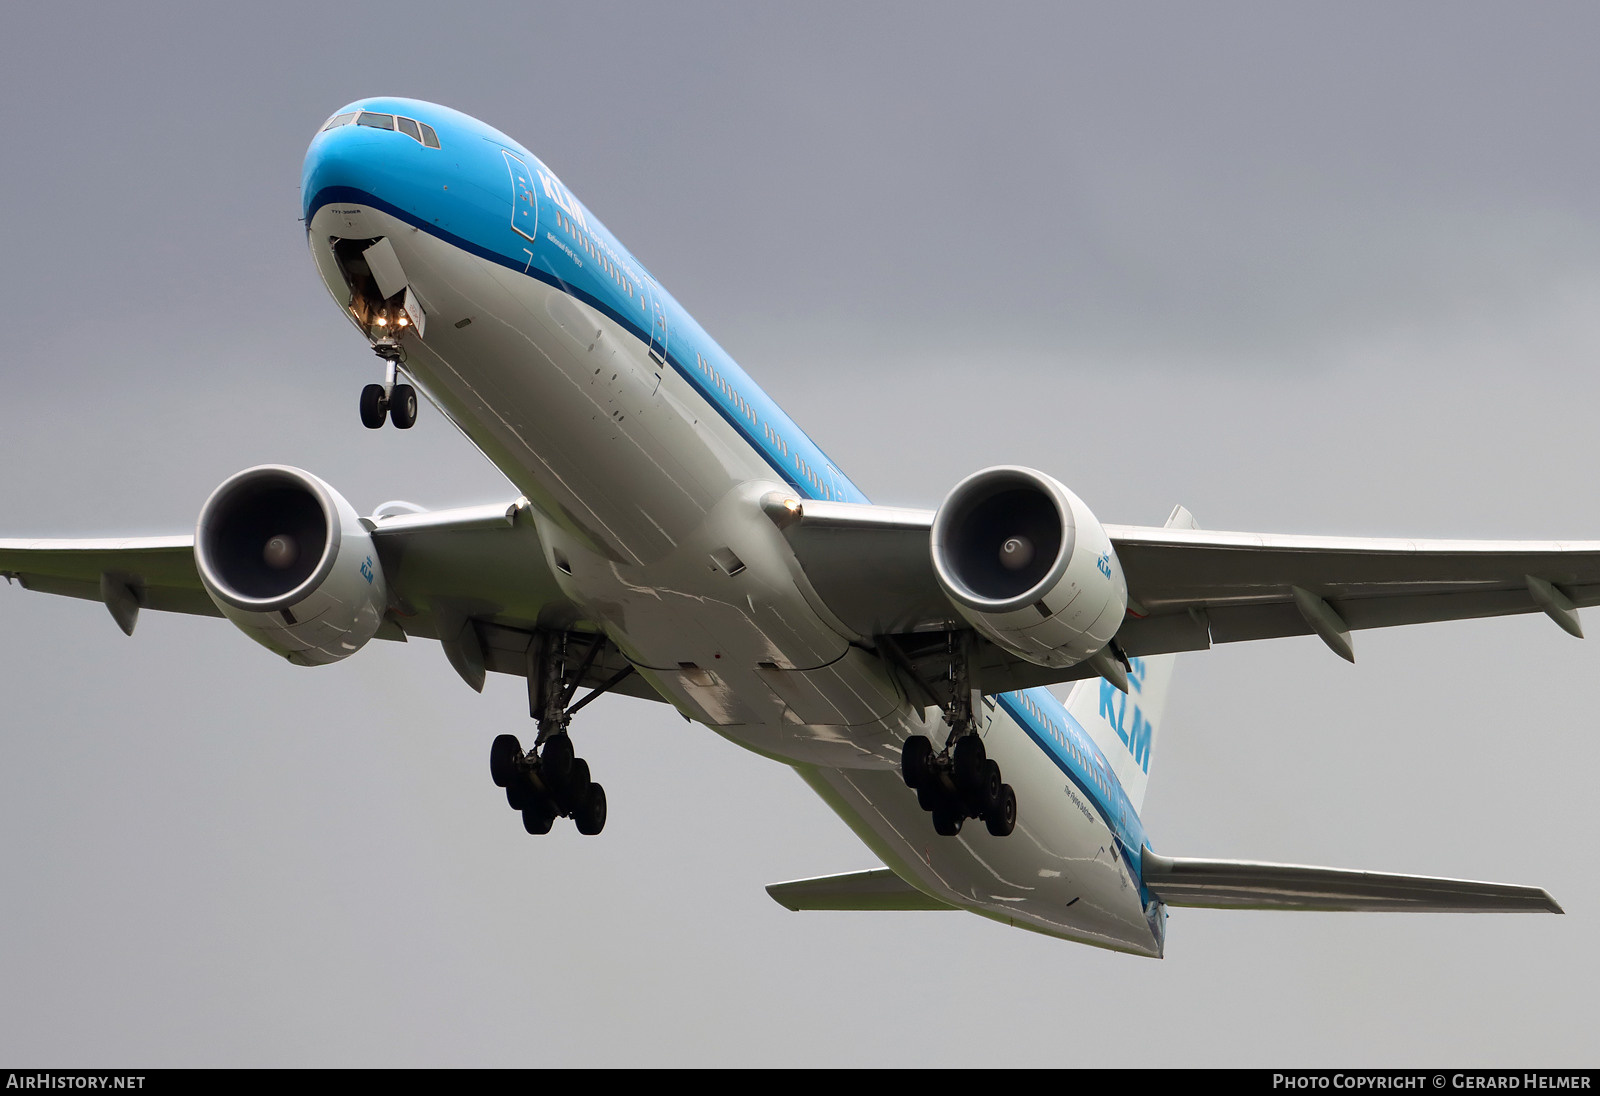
[676,536]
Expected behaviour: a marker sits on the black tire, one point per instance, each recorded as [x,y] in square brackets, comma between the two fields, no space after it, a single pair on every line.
[373,408]
[556,760]
[503,755]
[591,818]
[575,789]
[969,758]
[1003,818]
[989,789]
[538,818]
[403,407]
[946,822]
[519,793]
[929,797]
[916,761]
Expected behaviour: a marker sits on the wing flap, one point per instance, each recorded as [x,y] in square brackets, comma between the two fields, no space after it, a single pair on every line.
[870,566]
[1246,884]
[483,563]
[877,889]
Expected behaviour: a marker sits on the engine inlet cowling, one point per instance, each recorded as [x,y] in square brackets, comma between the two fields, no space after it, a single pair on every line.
[1029,565]
[286,558]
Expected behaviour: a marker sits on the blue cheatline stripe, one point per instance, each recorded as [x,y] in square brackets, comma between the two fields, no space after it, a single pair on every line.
[792,477]
[1122,821]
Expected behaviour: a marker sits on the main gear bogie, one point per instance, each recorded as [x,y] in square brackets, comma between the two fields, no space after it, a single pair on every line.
[958,783]
[547,784]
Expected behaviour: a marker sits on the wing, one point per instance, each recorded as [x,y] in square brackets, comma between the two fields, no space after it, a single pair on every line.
[473,578]
[154,572]
[1240,586]
[1189,588]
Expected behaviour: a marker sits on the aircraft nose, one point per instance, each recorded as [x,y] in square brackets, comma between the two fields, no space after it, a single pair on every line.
[365,154]
[340,162]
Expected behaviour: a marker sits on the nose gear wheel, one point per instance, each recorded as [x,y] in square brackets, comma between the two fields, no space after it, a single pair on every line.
[390,400]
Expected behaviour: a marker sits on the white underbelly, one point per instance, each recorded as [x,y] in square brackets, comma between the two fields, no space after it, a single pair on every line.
[1059,872]
[645,493]
[648,500]
[566,402]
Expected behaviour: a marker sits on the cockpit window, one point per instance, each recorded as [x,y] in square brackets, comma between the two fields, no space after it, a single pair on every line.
[420,132]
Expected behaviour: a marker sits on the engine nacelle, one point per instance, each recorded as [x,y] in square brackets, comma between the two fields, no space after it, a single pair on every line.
[1029,565]
[286,558]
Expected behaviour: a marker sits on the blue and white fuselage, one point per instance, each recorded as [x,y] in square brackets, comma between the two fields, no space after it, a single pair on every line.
[645,451]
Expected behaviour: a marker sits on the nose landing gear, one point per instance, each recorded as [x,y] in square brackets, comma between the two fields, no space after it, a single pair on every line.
[397,402]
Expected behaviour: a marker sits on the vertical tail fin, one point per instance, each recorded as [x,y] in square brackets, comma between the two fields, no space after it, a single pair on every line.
[1126,726]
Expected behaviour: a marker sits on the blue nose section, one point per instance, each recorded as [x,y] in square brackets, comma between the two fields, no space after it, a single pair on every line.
[376,151]
[350,163]
[433,168]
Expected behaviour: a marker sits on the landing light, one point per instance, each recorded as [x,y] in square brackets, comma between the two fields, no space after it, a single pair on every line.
[382,321]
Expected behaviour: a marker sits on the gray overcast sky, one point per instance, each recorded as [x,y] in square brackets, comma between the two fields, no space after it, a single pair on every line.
[1319,268]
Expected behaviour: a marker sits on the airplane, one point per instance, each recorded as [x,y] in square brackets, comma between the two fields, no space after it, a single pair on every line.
[676,537]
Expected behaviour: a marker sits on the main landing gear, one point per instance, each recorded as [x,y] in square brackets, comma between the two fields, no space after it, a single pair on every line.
[550,781]
[547,784]
[392,400]
[960,781]
[958,784]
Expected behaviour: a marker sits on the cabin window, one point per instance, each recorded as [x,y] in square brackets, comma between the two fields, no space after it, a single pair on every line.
[339,120]
[409,128]
[429,138]
[376,121]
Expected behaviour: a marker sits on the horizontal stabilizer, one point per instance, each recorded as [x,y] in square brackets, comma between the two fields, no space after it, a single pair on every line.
[1247,885]
[878,889]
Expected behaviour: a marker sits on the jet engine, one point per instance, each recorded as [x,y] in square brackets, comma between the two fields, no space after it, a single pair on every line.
[1029,566]
[286,558]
